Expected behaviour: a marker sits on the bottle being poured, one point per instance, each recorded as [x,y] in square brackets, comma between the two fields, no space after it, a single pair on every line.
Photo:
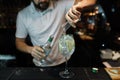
[47,49]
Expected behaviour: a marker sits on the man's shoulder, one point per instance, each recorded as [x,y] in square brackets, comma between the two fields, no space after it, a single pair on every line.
[65,1]
[25,10]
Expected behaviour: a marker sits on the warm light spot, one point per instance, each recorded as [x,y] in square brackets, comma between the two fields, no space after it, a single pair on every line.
[118,38]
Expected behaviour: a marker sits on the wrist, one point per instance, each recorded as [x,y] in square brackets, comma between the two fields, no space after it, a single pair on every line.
[29,49]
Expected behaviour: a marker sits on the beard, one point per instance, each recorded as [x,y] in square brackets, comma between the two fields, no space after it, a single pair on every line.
[41,5]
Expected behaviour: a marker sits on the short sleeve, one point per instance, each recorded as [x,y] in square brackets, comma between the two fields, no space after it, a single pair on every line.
[21,31]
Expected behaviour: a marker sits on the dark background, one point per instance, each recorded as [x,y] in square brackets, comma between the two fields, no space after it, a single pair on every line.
[8,13]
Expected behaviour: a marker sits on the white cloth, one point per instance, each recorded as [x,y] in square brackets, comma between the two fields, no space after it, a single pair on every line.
[40,25]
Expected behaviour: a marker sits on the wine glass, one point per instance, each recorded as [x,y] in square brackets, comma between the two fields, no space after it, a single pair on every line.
[66,48]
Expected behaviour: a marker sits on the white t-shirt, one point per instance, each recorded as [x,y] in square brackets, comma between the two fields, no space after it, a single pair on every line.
[40,25]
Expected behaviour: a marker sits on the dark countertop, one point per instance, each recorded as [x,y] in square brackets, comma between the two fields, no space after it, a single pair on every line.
[51,74]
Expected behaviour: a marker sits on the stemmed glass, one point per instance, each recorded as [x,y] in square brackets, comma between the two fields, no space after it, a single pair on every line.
[66,48]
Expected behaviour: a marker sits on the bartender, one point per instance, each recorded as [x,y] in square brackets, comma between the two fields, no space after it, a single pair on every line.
[40,20]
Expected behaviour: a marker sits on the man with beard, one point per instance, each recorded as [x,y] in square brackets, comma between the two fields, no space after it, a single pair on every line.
[40,20]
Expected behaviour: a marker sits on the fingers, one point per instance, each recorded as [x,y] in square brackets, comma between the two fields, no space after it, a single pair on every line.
[71,22]
[37,53]
[73,16]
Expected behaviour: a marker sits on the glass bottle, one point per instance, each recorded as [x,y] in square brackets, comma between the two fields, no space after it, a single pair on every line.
[47,49]
[47,46]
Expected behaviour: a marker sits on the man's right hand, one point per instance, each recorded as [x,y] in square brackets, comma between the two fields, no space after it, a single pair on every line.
[37,52]
[74,14]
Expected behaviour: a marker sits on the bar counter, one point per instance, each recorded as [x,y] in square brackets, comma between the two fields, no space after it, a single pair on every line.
[33,73]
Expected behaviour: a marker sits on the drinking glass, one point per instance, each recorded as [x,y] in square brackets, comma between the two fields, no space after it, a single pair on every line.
[66,48]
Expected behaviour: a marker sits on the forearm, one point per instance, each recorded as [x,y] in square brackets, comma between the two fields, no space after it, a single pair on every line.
[22,46]
[84,3]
